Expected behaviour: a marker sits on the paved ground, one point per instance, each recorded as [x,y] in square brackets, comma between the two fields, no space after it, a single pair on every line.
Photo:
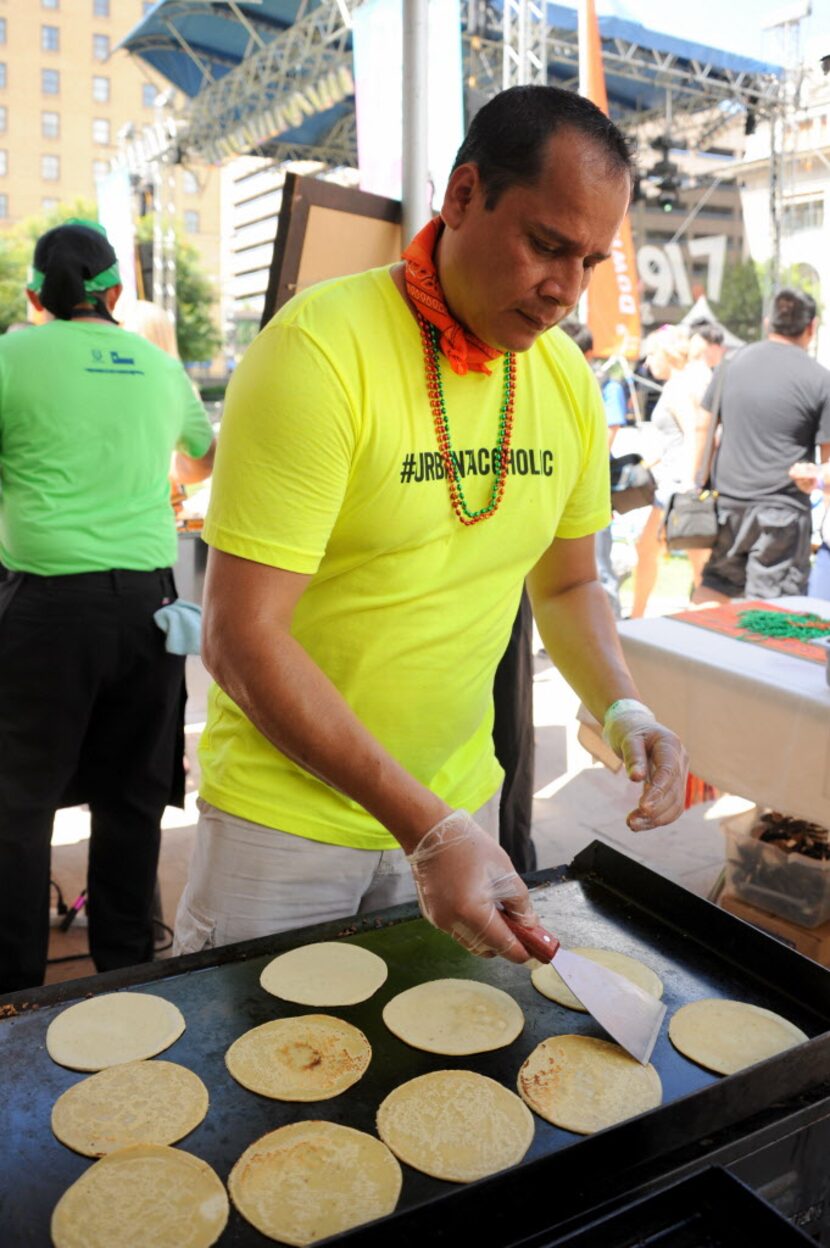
[577,801]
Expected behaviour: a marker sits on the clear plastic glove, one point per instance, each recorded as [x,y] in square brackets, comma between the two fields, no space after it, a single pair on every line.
[651,753]
[463,877]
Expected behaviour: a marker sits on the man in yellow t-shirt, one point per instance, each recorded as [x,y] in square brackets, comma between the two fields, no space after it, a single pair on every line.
[400,450]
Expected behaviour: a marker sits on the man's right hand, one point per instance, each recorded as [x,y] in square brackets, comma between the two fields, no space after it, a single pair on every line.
[806,475]
[463,877]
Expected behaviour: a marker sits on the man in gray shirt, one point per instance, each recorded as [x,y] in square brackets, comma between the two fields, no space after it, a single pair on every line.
[775,411]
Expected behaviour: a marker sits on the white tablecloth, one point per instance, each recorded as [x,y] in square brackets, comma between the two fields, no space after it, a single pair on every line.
[756,722]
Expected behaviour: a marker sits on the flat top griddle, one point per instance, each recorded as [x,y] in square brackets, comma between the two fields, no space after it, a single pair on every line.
[603,899]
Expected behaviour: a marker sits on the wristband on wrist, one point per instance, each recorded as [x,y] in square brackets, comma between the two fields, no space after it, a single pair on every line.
[621,707]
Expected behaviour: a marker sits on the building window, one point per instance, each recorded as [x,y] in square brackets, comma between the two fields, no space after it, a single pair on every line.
[2,73]
[4,206]
[191,222]
[190,183]
[2,30]
[50,168]
[4,118]
[4,162]
[50,4]
[100,47]
[148,94]
[50,38]
[804,214]
[148,4]
[50,81]
[100,130]
[49,203]
[100,8]
[100,89]
[50,125]
[100,169]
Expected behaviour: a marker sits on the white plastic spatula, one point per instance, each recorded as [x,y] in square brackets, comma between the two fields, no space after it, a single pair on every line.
[627,1012]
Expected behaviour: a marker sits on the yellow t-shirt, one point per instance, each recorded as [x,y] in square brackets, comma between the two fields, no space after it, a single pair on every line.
[328,465]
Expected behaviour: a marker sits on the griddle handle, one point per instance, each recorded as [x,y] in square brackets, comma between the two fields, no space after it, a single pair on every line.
[538,942]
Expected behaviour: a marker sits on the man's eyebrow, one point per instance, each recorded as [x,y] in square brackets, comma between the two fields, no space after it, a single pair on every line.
[556,236]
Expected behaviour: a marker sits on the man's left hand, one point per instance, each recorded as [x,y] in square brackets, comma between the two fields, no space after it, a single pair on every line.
[651,753]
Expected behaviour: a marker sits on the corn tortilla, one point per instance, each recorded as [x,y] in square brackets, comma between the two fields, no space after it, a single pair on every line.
[454,1017]
[135,1103]
[550,983]
[309,1058]
[142,1195]
[455,1125]
[583,1084]
[309,1180]
[726,1036]
[113,1028]
[326,974]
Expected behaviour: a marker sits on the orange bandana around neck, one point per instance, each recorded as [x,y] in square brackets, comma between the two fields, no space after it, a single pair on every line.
[463,350]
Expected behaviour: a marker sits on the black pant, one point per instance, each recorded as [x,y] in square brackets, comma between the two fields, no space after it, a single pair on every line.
[91,709]
[514,741]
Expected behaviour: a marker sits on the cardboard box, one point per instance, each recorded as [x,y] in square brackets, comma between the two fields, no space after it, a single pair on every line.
[813,942]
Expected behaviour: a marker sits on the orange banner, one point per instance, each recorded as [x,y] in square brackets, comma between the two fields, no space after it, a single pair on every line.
[613,308]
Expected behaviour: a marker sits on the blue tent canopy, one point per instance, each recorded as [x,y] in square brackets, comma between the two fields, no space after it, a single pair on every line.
[194,42]
[210,29]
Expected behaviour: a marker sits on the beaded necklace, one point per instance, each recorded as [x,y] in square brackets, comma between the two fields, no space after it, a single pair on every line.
[430,340]
[804,625]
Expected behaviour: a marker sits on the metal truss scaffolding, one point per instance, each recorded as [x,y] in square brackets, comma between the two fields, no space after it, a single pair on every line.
[636,70]
[524,43]
[302,72]
[300,79]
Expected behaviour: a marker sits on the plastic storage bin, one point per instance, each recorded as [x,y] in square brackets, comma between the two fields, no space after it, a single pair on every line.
[792,884]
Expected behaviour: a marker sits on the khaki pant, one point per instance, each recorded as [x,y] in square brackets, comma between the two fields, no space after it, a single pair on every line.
[246,880]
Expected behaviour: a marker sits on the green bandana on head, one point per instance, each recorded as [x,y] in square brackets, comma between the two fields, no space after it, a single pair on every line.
[92,285]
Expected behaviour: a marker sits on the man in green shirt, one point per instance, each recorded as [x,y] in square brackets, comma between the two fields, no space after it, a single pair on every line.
[90,701]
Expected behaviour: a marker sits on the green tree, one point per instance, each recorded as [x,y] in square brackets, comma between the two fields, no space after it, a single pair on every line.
[196,333]
[740,307]
[16,249]
[198,337]
[805,278]
[13,260]
[748,291]
[246,328]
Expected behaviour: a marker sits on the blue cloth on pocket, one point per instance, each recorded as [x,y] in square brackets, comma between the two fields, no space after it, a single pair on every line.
[182,622]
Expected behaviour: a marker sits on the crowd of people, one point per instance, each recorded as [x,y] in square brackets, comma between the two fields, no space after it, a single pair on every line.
[362,590]
[751,424]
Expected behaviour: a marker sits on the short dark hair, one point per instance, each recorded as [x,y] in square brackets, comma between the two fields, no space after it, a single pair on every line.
[708,331]
[580,333]
[793,311]
[506,137]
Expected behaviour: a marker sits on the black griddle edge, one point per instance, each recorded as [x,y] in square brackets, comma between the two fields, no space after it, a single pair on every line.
[593,1171]
[601,1170]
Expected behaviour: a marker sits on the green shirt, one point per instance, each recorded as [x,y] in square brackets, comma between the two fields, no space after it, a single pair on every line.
[89,417]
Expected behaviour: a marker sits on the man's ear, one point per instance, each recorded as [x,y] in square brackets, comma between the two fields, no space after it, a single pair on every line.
[462,187]
[34,300]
